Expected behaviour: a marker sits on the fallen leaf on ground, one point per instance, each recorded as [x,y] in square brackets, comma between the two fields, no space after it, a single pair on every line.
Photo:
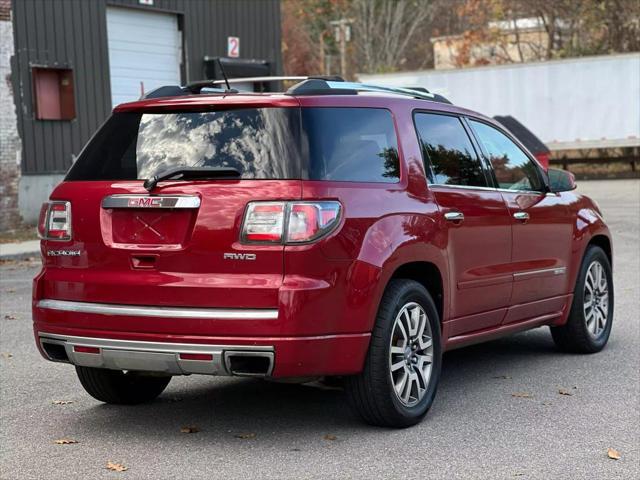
[62,402]
[65,441]
[9,317]
[547,403]
[189,430]
[562,391]
[7,355]
[116,467]
[503,377]
[245,436]
[11,290]
[522,395]
[613,454]
[328,436]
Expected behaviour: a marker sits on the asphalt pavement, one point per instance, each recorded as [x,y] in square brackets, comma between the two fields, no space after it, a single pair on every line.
[249,428]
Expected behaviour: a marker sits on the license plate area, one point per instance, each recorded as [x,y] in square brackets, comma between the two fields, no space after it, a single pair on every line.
[148,221]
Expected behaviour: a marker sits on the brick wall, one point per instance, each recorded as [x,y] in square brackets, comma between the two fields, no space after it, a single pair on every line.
[9,139]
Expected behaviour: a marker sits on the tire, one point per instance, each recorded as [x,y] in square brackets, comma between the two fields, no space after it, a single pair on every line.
[372,394]
[120,388]
[584,331]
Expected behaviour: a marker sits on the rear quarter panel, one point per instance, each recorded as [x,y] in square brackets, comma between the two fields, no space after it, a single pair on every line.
[384,226]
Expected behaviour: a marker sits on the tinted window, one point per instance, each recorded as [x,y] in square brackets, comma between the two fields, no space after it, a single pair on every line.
[448,151]
[260,143]
[513,169]
[351,144]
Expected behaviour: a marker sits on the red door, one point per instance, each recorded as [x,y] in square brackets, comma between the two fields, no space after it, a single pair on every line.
[476,221]
[541,225]
[479,250]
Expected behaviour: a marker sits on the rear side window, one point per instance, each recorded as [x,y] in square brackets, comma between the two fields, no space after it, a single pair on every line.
[448,152]
[262,143]
[513,169]
[350,145]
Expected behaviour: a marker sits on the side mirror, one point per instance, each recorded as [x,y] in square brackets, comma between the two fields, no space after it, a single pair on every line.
[561,180]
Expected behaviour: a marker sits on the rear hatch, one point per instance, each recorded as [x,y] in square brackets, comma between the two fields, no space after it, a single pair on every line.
[178,244]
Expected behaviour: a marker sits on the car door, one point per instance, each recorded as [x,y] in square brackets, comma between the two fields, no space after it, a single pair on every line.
[540,222]
[475,220]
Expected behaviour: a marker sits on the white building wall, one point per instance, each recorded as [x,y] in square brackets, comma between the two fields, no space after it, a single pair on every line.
[9,139]
[574,103]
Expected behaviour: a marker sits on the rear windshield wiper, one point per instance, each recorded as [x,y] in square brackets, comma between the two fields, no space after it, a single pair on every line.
[191,172]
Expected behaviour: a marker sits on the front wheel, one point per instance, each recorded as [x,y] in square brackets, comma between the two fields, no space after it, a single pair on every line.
[402,369]
[118,387]
[589,324]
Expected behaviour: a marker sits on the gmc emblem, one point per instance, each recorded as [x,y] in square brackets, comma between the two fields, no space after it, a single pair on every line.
[239,256]
[145,202]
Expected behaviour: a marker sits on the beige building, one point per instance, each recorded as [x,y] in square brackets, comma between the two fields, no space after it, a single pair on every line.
[522,40]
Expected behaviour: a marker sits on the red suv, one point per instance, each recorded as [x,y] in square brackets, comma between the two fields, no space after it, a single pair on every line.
[335,230]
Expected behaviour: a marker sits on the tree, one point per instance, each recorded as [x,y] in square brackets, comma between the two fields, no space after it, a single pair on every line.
[385,29]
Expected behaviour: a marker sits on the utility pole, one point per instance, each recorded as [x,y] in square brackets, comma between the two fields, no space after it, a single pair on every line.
[323,66]
[342,34]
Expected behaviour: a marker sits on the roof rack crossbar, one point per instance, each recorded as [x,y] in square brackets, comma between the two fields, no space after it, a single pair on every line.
[195,87]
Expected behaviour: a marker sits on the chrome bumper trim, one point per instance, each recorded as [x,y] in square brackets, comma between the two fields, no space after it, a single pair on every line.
[161,357]
[171,312]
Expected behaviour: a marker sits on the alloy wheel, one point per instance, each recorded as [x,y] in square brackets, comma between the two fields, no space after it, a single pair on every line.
[411,354]
[596,299]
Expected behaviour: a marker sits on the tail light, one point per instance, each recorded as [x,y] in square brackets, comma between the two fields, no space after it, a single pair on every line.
[289,222]
[55,221]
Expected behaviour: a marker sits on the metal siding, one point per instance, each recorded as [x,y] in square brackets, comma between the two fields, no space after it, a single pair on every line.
[73,33]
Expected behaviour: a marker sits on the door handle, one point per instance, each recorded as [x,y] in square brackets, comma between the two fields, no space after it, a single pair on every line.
[521,216]
[454,216]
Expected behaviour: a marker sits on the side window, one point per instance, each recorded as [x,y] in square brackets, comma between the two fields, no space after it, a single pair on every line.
[351,144]
[513,169]
[448,151]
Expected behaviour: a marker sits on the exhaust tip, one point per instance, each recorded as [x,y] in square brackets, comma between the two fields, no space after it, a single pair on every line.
[55,352]
[249,364]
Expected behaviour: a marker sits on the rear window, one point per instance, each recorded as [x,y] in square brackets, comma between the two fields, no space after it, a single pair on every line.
[260,143]
[340,144]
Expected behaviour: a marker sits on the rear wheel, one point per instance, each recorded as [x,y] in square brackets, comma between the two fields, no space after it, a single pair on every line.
[402,369]
[589,324]
[118,387]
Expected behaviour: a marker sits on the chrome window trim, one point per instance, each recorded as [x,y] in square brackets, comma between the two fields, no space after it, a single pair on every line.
[463,187]
[170,312]
[166,201]
[492,189]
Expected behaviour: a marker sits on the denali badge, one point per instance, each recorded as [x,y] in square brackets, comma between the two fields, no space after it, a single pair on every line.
[239,256]
[63,253]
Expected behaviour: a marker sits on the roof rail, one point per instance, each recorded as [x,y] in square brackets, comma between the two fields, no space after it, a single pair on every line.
[196,87]
[308,85]
[318,86]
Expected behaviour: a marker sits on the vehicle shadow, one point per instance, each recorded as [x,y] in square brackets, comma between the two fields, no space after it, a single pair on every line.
[235,409]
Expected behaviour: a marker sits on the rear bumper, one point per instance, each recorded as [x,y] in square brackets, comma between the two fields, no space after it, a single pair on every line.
[176,355]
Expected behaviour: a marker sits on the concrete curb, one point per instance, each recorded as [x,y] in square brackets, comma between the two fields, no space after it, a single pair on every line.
[17,251]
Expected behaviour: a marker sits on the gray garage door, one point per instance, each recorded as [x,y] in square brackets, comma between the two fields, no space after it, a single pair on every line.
[145,51]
